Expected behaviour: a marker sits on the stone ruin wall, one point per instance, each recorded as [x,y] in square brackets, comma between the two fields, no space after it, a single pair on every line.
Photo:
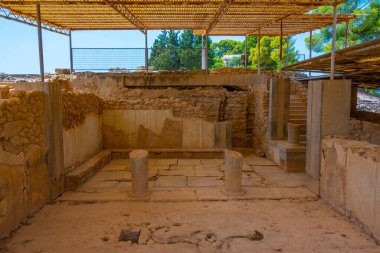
[209,103]
[82,123]
[365,131]
[259,111]
[76,106]
[24,176]
[350,180]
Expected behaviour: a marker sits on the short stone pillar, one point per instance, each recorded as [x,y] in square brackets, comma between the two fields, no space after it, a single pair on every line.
[293,133]
[233,164]
[139,169]
[4,91]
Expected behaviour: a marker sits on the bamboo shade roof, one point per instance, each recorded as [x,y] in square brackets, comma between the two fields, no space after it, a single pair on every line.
[360,63]
[213,17]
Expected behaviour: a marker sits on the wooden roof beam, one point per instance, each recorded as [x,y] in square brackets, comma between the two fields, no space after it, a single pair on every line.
[124,12]
[223,8]
[169,3]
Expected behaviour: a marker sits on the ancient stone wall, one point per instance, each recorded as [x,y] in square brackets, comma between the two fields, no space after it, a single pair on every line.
[350,181]
[259,106]
[211,104]
[24,176]
[77,105]
[299,89]
[365,131]
[82,122]
[236,111]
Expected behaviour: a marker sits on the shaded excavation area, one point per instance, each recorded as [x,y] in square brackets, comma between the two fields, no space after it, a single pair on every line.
[235,162]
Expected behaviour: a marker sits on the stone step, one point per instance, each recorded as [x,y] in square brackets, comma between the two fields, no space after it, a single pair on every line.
[297,116]
[298,111]
[297,100]
[81,174]
[297,121]
[293,104]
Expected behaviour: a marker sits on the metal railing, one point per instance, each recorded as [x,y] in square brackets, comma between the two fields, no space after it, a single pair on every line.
[133,59]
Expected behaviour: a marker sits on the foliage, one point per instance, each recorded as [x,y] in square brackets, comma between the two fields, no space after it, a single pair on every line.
[364,28]
[218,63]
[270,53]
[173,50]
[235,61]
[224,47]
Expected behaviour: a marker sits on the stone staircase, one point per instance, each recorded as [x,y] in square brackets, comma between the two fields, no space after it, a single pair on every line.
[298,115]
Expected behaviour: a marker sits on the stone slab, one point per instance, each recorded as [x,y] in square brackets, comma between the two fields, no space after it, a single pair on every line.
[208,170]
[212,161]
[162,161]
[178,170]
[189,162]
[361,188]
[171,181]
[256,160]
[204,182]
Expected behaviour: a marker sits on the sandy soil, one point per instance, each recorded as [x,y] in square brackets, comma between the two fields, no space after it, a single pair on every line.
[200,226]
[277,214]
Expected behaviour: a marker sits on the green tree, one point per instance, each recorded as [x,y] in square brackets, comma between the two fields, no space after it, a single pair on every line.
[235,61]
[270,53]
[165,53]
[218,63]
[224,47]
[190,50]
[175,50]
[364,28]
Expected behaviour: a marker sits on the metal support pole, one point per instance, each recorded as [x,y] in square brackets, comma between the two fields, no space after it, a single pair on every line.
[40,48]
[146,53]
[346,42]
[71,53]
[332,71]
[258,53]
[287,51]
[206,54]
[245,53]
[280,65]
[310,47]
[203,53]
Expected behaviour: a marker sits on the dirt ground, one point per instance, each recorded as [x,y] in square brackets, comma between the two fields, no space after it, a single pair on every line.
[277,214]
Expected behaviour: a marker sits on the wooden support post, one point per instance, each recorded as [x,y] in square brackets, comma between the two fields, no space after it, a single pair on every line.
[40,48]
[245,53]
[280,65]
[332,71]
[146,53]
[71,53]
[258,53]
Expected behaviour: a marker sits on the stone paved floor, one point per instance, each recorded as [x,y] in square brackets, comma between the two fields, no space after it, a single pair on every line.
[188,212]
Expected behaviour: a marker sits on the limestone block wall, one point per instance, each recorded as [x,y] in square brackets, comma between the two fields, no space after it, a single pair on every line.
[24,175]
[365,131]
[160,129]
[259,107]
[82,122]
[236,111]
[350,180]
[212,104]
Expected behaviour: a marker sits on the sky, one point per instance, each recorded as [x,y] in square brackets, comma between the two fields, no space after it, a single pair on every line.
[19,45]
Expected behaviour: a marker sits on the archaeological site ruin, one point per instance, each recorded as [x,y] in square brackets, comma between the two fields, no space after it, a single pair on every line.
[203,160]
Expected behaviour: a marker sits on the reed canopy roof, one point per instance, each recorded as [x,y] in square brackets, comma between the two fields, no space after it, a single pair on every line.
[213,17]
